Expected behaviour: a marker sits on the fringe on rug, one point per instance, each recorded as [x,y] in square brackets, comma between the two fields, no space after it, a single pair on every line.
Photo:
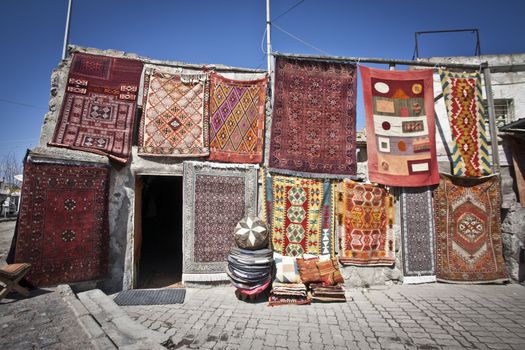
[204,277]
[418,279]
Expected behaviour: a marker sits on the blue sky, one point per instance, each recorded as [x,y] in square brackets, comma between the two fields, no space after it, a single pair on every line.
[228,32]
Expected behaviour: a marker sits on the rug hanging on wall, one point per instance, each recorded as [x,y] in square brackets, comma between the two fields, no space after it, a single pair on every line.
[175,116]
[300,213]
[216,197]
[463,99]
[313,122]
[469,243]
[418,237]
[237,113]
[399,113]
[63,223]
[367,235]
[98,110]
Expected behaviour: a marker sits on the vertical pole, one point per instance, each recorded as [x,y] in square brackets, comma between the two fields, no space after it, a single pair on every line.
[492,119]
[268,37]
[66,31]
[417,45]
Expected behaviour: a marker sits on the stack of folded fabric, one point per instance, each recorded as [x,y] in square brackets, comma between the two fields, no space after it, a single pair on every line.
[288,293]
[250,264]
[323,277]
[287,287]
[326,293]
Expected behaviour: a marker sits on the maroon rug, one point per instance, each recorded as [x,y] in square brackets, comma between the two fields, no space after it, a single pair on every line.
[98,110]
[313,122]
[63,223]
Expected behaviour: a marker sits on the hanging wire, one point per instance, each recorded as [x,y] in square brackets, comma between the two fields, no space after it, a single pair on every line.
[262,42]
[301,40]
[22,104]
[290,9]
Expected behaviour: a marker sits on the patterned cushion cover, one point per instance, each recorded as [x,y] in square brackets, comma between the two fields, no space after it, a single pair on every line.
[329,271]
[287,271]
[251,233]
[308,270]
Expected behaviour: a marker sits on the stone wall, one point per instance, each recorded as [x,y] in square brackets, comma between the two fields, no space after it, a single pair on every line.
[123,180]
[122,186]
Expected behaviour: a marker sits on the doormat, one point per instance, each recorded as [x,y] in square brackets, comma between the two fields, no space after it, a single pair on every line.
[150,297]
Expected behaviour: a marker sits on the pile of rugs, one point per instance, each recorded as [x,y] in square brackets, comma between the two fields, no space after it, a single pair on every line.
[250,263]
[288,293]
[321,293]
[309,278]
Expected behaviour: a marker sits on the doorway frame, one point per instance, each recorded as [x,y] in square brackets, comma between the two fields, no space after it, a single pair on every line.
[136,241]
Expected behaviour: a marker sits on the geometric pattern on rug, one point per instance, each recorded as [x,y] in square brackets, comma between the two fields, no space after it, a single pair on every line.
[301,214]
[400,127]
[468,229]
[237,112]
[98,109]
[216,198]
[367,236]
[175,116]
[417,228]
[63,224]
[466,114]
[313,122]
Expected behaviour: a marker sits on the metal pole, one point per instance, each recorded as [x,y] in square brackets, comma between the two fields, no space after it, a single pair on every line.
[492,119]
[417,45]
[66,32]
[268,37]
[473,67]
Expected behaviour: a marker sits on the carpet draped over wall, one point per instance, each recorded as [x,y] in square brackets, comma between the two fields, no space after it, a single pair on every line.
[463,100]
[313,122]
[237,113]
[367,236]
[300,213]
[216,198]
[418,237]
[175,116]
[468,230]
[98,110]
[62,228]
[400,130]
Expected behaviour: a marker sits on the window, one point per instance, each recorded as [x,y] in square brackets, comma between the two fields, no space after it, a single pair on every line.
[504,108]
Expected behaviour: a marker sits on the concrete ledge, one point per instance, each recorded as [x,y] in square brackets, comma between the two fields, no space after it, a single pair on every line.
[117,325]
[98,337]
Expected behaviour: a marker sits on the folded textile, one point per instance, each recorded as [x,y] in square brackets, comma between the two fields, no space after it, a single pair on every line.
[256,290]
[249,270]
[249,276]
[276,300]
[323,293]
[257,253]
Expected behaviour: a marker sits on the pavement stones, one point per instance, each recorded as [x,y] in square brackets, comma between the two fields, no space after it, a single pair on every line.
[433,316]
[51,318]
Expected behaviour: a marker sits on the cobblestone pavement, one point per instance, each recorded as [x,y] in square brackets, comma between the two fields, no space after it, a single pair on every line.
[435,316]
[43,321]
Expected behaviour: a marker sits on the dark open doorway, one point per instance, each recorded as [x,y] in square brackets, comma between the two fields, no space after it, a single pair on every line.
[160,262]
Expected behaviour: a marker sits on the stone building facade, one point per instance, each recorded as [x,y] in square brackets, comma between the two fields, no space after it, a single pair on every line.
[127,182]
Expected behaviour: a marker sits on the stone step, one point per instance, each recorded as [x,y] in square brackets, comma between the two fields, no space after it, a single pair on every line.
[117,325]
